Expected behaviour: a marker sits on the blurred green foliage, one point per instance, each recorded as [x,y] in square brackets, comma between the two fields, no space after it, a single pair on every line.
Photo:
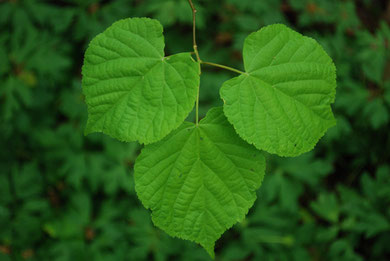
[64,196]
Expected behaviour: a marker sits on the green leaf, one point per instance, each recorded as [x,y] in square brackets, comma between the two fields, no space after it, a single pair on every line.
[327,207]
[132,91]
[200,180]
[376,113]
[282,103]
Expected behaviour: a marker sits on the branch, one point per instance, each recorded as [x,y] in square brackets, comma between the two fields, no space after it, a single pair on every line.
[194,30]
[197,57]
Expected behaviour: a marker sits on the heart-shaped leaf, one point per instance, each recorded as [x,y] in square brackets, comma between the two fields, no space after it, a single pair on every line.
[281,104]
[199,180]
[132,91]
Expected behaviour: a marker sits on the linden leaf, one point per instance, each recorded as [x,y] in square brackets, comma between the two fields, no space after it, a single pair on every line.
[282,103]
[132,91]
[199,180]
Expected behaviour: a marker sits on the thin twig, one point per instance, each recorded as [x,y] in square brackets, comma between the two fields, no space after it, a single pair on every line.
[195,46]
[194,30]
[224,67]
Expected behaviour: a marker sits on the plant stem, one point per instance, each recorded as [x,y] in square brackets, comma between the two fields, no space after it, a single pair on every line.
[224,67]
[199,61]
[194,31]
[195,46]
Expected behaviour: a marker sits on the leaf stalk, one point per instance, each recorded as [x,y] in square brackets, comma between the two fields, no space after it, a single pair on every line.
[223,67]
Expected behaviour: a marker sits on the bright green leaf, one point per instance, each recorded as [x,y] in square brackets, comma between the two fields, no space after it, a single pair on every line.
[132,91]
[281,104]
[200,180]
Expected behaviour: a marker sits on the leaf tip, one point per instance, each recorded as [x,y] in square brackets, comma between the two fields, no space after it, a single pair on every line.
[210,249]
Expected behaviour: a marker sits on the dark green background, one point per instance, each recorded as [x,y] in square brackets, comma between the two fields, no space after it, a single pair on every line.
[64,196]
